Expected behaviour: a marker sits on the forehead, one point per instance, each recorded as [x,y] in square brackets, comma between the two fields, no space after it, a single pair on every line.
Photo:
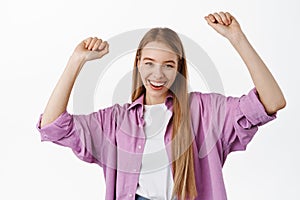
[158,51]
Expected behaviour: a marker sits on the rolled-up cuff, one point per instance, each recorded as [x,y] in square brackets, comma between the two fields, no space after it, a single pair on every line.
[253,109]
[57,129]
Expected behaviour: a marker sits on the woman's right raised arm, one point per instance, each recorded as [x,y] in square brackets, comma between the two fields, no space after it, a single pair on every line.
[88,49]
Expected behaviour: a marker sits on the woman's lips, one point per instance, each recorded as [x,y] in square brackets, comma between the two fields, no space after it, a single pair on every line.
[155,85]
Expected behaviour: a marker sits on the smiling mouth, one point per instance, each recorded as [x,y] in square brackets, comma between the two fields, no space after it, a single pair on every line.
[157,85]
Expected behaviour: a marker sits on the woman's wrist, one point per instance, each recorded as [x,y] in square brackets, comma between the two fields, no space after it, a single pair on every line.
[75,64]
[78,57]
[237,38]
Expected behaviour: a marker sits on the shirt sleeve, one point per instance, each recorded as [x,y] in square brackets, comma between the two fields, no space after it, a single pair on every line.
[91,137]
[243,116]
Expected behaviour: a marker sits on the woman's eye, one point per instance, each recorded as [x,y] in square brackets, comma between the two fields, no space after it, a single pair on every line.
[169,66]
[148,63]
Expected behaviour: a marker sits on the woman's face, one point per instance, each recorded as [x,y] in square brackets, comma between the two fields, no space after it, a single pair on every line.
[158,68]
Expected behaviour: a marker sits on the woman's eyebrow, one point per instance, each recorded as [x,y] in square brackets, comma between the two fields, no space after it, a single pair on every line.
[168,61]
[148,58]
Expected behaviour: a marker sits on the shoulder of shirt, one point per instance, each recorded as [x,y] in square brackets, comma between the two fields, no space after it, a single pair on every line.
[121,107]
[203,95]
[116,108]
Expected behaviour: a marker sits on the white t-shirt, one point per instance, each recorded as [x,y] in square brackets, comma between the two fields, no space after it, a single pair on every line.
[155,180]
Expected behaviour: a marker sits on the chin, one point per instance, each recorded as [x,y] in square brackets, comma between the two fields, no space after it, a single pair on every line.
[157,93]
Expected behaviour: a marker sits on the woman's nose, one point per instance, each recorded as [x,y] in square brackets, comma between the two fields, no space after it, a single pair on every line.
[158,72]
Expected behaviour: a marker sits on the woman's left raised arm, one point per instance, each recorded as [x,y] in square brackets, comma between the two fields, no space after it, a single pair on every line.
[269,91]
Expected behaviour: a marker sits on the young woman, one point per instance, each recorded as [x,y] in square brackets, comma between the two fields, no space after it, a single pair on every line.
[167,143]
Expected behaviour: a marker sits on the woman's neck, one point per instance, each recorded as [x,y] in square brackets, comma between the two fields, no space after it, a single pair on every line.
[152,100]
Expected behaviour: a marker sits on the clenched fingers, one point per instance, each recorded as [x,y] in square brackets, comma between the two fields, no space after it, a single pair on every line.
[92,48]
[220,18]
[103,48]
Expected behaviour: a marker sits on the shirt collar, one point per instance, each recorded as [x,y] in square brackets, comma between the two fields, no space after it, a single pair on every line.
[140,101]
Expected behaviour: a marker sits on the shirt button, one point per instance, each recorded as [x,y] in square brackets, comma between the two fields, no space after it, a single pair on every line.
[139,146]
[130,195]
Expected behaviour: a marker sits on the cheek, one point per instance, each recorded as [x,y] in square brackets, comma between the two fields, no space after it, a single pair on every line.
[171,75]
[144,74]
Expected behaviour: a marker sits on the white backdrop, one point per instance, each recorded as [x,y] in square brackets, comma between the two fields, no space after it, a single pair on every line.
[37,38]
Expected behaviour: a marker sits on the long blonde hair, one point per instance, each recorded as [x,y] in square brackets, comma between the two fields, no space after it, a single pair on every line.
[182,150]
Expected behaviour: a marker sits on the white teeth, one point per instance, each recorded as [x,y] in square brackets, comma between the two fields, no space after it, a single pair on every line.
[156,83]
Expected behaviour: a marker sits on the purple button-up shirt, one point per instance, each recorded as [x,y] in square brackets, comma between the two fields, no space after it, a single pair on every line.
[114,139]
